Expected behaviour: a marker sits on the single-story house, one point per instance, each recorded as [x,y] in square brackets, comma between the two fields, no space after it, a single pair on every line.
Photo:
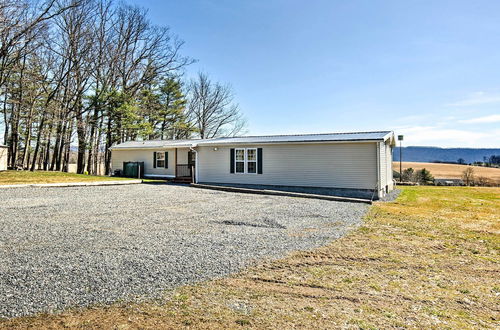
[3,157]
[358,161]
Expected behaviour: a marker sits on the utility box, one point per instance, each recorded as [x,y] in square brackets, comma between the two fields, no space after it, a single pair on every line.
[133,169]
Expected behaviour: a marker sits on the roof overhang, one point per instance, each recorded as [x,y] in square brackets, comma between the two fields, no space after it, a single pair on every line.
[391,138]
[145,146]
[221,144]
[336,138]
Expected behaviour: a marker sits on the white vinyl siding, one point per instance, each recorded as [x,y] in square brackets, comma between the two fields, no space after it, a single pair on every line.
[146,155]
[182,156]
[3,158]
[385,158]
[340,165]
[388,168]
[383,167]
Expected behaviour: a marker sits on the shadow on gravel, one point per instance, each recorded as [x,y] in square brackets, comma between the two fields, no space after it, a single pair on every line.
[165,183]
[265,224]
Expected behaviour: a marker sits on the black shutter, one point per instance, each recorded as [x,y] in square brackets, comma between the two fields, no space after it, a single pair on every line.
[154,159]
[166,159]
[259,160]
[231,166]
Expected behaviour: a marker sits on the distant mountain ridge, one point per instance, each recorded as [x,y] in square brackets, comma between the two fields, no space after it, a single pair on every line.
[433,154]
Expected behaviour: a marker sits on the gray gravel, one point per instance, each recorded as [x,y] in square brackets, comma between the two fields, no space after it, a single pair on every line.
[64,247]
[391,196]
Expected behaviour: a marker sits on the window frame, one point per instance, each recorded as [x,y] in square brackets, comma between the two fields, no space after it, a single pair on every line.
[162,153]
[236,161]
[245,161]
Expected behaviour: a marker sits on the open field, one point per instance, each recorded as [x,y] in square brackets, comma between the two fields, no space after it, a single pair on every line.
[27,177]
[450,171]
[428,260]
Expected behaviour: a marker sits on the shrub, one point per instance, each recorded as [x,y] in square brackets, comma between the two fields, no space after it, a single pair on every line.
[483,181]
[424,177]
[408,175]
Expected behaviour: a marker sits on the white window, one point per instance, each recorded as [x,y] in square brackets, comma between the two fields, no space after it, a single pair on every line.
[240,160]
[251,161]
[245,161]
[160,159]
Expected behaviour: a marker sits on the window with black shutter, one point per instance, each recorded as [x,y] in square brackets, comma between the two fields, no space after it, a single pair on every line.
[246,160]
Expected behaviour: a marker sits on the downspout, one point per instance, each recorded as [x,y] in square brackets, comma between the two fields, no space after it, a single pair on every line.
[378,170]
[195,163]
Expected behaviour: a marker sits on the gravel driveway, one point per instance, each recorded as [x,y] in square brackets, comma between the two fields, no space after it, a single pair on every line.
[62,247]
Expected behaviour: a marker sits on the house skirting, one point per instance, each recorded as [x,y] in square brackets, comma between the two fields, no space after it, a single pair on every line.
[340,192]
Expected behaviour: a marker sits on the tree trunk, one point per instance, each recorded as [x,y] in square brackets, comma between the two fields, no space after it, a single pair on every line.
[82,143]
[38,140]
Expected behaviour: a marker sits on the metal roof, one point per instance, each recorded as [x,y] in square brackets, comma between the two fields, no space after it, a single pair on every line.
[298,138]
[155,144]
[327,137]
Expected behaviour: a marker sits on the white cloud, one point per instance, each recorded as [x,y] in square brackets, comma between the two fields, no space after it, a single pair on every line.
[482,120]
[477,98]
[448,137]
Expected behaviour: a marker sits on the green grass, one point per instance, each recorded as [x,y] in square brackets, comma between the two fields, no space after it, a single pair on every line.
[154,181]
[27,177]
[428,260]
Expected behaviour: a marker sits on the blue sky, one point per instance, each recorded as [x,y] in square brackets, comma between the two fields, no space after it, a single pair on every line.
[426,69]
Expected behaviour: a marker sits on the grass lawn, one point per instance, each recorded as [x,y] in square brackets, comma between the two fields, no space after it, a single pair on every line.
[428,260]
[27,177]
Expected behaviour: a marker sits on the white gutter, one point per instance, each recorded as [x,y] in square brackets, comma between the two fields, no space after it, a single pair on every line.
[151,147]
[227,144]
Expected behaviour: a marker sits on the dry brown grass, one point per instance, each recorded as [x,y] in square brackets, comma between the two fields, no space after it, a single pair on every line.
[451,171]
[428,260]
[27,177]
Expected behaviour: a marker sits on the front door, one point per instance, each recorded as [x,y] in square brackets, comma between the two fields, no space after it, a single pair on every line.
[191,161]
[191,158]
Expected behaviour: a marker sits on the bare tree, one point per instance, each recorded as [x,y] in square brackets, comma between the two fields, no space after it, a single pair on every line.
[468,176]
[483,181]
[212,109]
[86,74]
[20,23]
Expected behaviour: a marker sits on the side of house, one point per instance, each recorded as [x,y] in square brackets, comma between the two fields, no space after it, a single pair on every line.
[166,159]
[339,165]
[160,162]
[355,161]
[3,158]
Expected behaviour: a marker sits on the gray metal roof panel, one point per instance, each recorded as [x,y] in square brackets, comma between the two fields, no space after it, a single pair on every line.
[154,144]
[298,138]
